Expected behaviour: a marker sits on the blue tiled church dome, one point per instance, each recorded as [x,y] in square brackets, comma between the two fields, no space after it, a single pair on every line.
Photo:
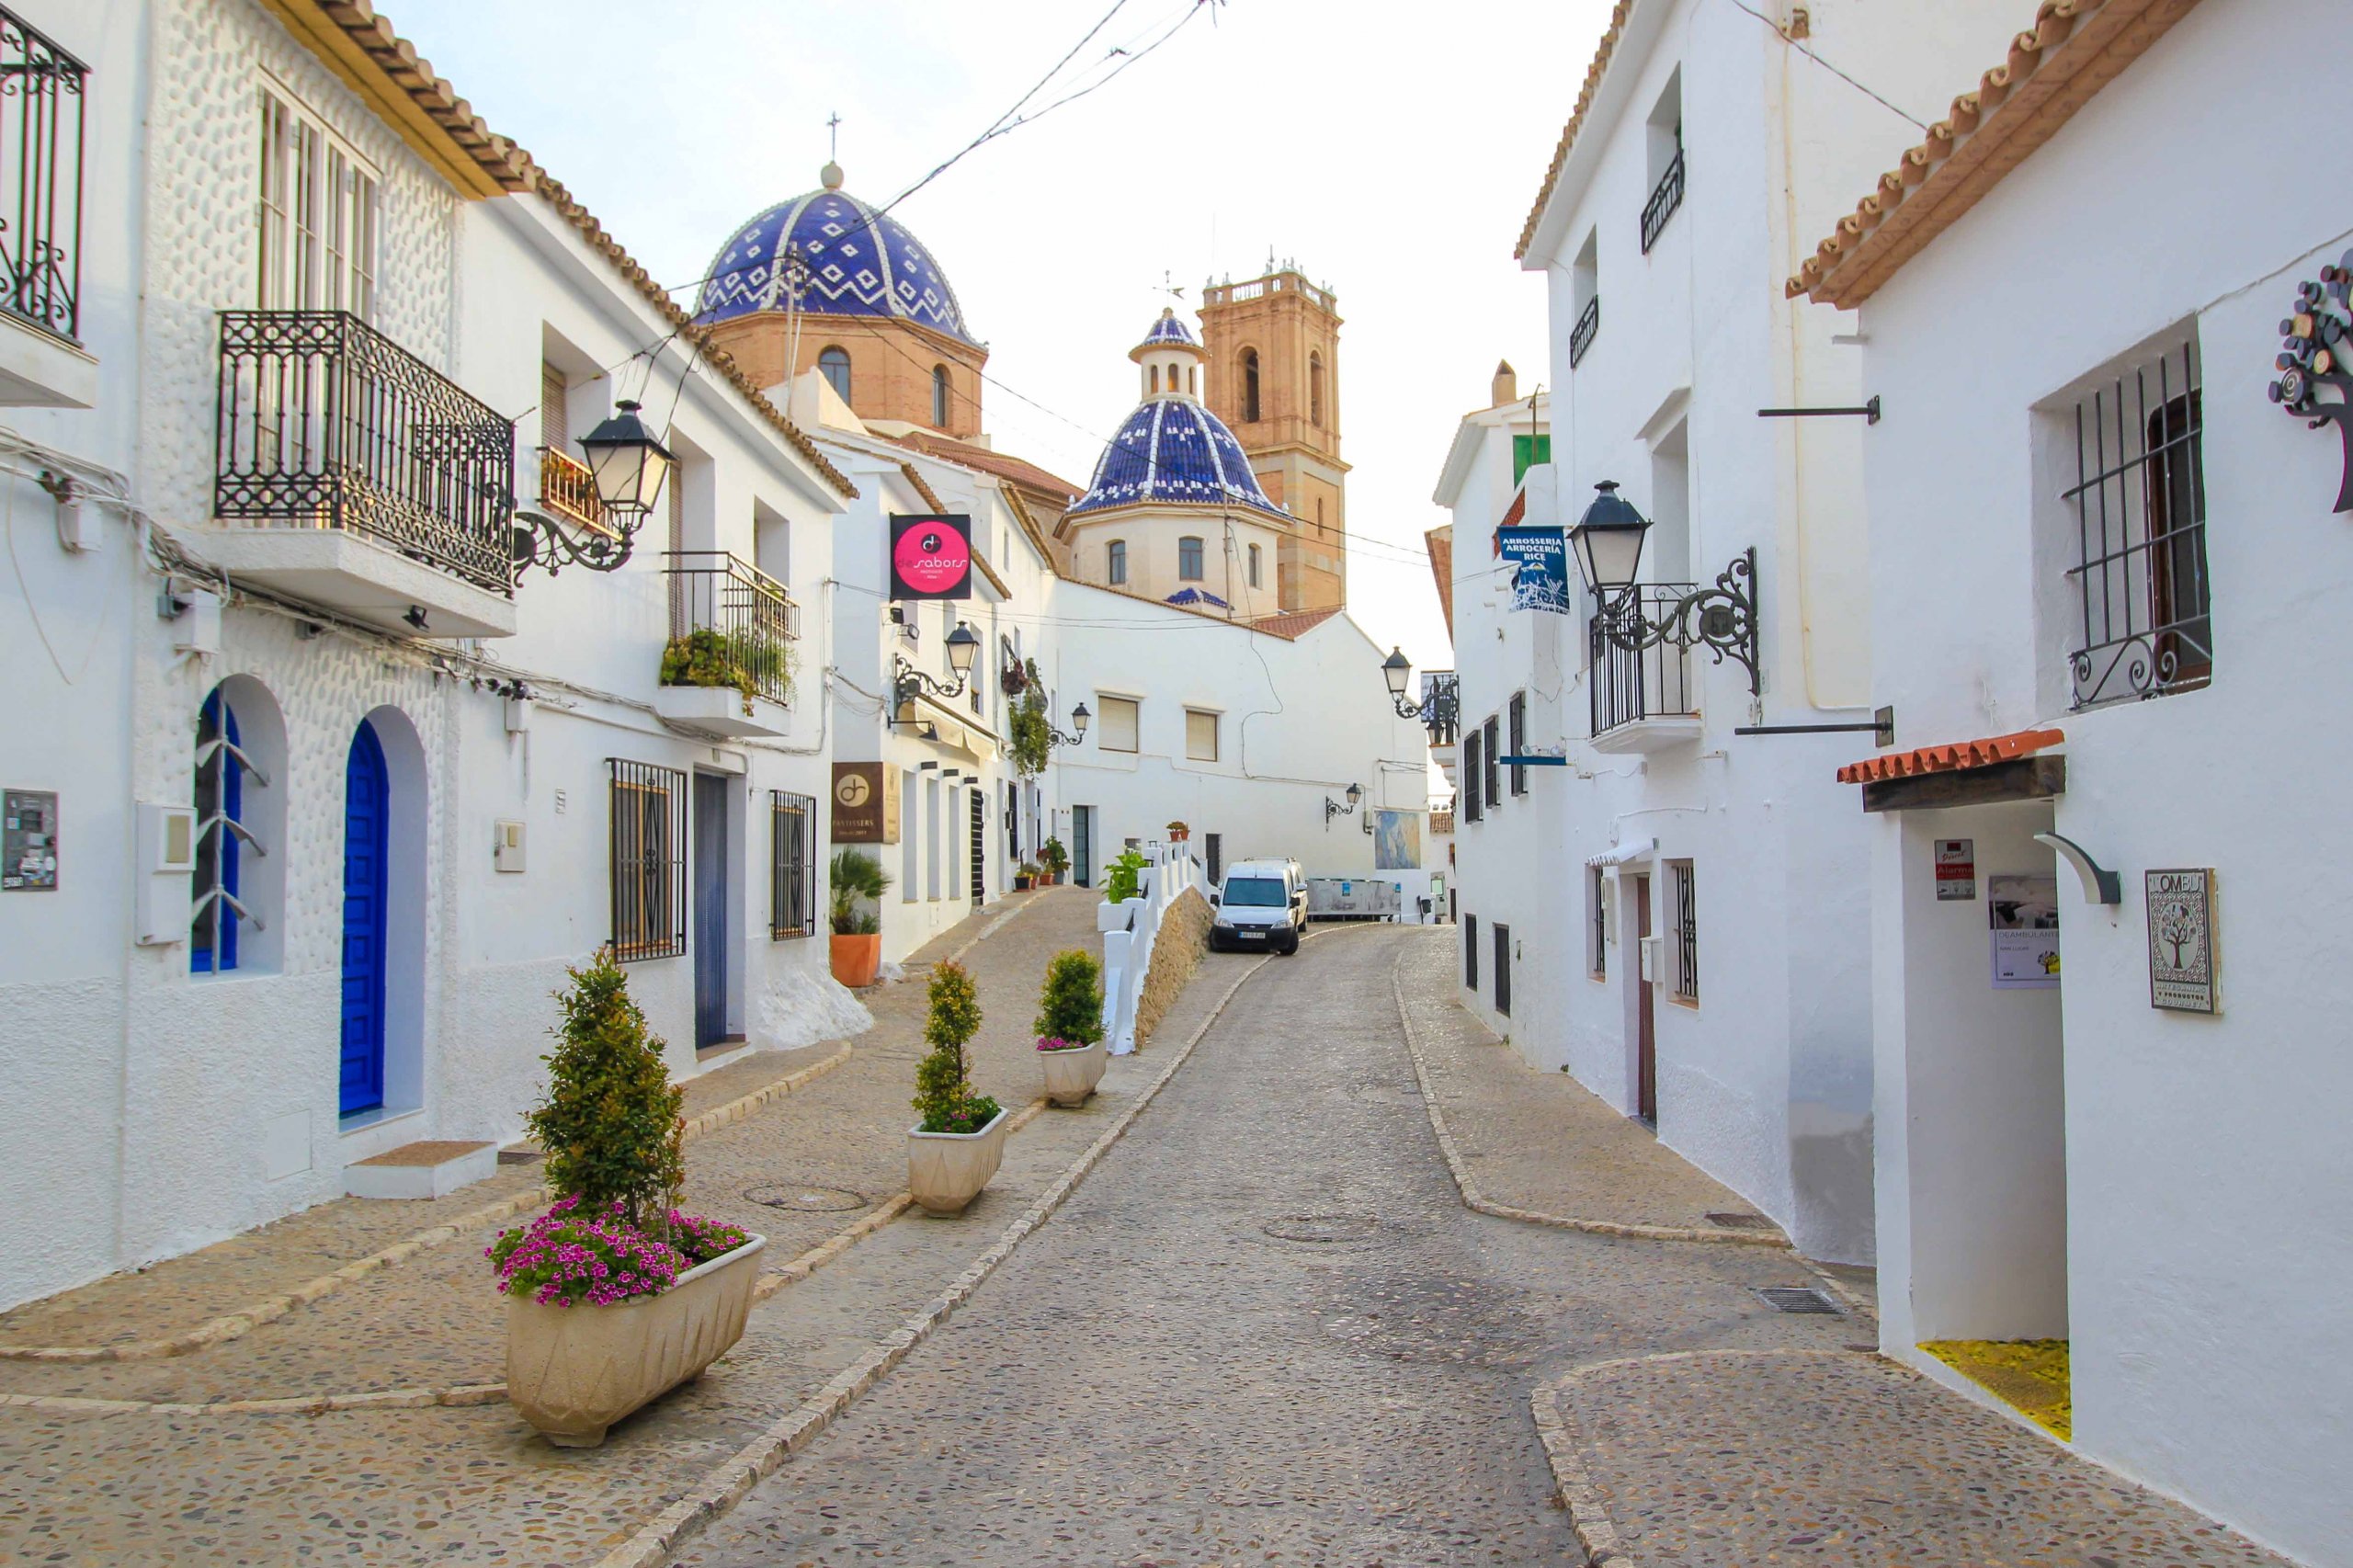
[858,265]
[1168,329]
[1173,448]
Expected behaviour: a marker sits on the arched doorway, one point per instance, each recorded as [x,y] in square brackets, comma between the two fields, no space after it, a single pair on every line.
[366,901]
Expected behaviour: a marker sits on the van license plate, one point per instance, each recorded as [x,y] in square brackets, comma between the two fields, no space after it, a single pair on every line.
[1252,935]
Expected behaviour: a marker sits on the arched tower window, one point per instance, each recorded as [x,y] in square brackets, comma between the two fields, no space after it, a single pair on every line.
[1254,566]
[834,365]
[1249,386]
[1315,390]
[1188,559]
[939,396]
[1115,561]
[1155,371]
[1189,380]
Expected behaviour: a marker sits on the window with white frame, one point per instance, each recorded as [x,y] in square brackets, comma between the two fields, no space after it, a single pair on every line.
[1200,735]
[1188,559]
[2137,595]
[1115,724]
[318,210]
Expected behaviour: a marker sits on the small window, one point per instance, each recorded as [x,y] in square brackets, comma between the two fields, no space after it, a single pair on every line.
[1200,735]
[1152,373]
[1502,969]
[648,861]
[1491,776]
[1254,566]
[1188,559]
[792,894]
[220,838]
[1684,890]
[939,389]
[834,365]
[1115,722]
[1527,452]
[1596,895]
[1115,561]
[1249,386]
[1518,741]
[1470,953]
[1315,390]
[1189,380]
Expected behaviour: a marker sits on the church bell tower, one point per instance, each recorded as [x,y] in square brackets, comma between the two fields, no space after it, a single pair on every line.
[1273,349]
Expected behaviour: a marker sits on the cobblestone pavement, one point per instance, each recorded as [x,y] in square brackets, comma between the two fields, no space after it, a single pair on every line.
[1267,1331]
[1542,1141]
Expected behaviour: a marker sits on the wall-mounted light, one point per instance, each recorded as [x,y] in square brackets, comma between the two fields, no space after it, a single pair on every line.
[1333,807]
[2100,886]
[908,682]
[628,465]
[1078,718]
[1608,541]
[1398,670]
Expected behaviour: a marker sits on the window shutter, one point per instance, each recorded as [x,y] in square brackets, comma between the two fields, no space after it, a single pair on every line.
[1200,735]
[1116,723]
[555,416]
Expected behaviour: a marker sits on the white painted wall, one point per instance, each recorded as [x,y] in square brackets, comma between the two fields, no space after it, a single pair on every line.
[2210,1359]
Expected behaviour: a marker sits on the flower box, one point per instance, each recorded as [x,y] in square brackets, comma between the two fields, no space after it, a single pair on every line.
[947,1170]
[573,1372]
[1071,1073]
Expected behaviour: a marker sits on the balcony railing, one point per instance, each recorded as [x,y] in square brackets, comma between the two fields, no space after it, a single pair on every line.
[1581,334]
[1662,203]
[1627,685]
[1442,707]
[326,423]
[733,622]
[569,490]
[42,90]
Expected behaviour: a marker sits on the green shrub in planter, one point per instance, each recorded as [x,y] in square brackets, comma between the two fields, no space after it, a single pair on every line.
[943,1079]
[609,1121]
[1070,1006]
[850,876]
[1119,879]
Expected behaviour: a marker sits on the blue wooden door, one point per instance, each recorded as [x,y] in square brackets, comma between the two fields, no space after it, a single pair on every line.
[366,810]
[710,910]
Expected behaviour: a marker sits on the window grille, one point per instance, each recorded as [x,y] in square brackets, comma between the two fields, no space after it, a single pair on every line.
[1581,335]
[649,862]
[1490,773]
[2139,589]
[1686,930]
[1597,892]
[40,178]
[1470,792]
[221,839]
[1519,742]
[1665,199]
[792,893]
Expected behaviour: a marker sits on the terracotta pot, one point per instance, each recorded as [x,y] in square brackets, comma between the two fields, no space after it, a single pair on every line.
[573,1372]
[947,1170]
[1071,1075]
[857,960]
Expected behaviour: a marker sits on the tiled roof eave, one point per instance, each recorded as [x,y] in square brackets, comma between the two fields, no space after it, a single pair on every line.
[1953,757]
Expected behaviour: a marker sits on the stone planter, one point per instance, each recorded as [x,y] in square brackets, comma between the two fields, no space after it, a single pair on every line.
[1071,1075]
[573,1372]
[947,1170]
[857,960]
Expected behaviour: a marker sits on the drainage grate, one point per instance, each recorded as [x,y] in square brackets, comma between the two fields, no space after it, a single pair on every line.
[805,1199]
[1741,1221]
[1798,1298]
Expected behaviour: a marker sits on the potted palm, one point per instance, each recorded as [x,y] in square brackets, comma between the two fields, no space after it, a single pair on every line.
[857,933]
[956,1146]
[613,1297]
[1070,1027]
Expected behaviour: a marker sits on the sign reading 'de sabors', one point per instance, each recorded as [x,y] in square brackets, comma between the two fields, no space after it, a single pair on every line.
[865,803]
[931,558]
[2181,939]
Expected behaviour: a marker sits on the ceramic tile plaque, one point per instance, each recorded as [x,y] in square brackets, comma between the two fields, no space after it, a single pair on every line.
[2181,939]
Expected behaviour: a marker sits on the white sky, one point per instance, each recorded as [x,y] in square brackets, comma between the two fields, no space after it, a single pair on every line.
[1393,149]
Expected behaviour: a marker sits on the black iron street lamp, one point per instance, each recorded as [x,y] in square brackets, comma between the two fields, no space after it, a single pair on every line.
[907,682]
[1723,619]
[1333,807]
[1078,718]
[1397,670]
[627,466]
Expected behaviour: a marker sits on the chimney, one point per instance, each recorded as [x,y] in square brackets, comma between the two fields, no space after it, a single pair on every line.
[1505,388]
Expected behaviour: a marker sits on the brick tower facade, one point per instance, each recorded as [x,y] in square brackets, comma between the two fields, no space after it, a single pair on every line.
[1273,349]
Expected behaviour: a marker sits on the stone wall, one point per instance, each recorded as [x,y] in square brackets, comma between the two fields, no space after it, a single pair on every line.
[1176,953]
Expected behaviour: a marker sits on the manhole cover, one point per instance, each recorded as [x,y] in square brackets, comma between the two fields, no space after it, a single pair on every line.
[806,1199]
[1797,1299]
[1741,1221]
[1324,1229]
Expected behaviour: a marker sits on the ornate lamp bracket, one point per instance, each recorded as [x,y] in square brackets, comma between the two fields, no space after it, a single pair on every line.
[2315,340]
[539,540]
[1722,618]
[907,683]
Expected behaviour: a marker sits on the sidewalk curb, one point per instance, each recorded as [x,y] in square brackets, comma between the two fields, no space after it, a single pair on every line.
[725,1485]
[237,1324]
[1474,1200]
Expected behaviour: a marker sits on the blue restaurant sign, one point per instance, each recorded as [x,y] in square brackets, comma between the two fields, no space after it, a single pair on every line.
[1541,557]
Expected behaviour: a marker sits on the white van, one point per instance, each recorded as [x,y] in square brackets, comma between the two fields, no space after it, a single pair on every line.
[1262,904]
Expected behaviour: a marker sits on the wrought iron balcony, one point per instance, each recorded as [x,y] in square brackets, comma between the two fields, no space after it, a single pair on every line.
[42,90]
[326,423]
[568,490]
[1627,686]
[730,624]
[1581,335]
[1442,707]
[1662,203]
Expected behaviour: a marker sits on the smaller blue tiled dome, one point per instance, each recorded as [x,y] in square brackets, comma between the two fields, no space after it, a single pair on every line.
[1168,329]
[1173,449]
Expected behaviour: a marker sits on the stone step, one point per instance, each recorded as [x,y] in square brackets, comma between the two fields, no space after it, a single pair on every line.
[433,1169]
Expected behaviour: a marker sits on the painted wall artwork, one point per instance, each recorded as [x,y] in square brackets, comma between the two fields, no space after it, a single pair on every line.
[1396,841]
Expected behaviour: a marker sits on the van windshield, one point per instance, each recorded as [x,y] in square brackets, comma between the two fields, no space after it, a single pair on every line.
[1254,892]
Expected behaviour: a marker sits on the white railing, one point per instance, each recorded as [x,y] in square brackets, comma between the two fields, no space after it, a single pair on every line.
[1130,930]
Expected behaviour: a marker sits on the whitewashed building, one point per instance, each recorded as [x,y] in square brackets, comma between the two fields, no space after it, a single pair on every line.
[312,795]
[2112,714]
[1668,914]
